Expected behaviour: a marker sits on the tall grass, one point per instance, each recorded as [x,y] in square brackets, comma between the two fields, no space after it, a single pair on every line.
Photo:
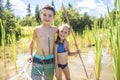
[115,46]
[97,35]
[14,50]
[115,40]
[117,53]
[3,40]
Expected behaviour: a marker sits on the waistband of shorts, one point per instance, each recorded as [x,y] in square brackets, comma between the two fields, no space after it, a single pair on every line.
[45,61]
[43,57]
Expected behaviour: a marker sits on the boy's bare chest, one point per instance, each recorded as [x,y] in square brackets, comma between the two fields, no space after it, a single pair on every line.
[43,34]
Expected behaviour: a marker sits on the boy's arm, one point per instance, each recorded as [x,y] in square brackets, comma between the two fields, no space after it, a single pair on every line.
[31,47]
[32,42]
[55,53]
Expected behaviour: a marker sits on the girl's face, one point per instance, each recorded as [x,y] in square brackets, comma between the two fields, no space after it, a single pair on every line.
[63,33]
[46,16]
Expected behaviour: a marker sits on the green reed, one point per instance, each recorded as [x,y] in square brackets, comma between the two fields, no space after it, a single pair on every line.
[115,46]
[14,50]
[117,53]
[114,39]
[97,35]
[3,41]
[88,37]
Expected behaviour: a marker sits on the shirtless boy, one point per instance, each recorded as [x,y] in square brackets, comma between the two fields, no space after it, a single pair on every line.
[43,35]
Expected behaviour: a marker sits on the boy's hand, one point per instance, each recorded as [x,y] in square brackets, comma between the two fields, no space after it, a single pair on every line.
[56,64]
[30,59]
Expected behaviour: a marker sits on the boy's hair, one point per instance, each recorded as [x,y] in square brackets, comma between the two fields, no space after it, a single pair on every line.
[48,7]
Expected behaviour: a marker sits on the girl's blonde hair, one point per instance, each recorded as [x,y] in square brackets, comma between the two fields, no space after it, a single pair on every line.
[61,27]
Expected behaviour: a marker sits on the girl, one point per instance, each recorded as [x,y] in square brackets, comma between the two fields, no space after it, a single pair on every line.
[61,53]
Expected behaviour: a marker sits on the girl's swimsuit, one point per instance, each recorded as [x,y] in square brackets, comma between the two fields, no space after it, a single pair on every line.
[60,50]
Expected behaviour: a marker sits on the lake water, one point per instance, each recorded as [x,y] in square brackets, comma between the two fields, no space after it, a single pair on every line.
[75,65]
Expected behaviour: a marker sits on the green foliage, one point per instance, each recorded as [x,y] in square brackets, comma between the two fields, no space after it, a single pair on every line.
[10,25]
[105,22]
[114,38]
[77,21]
[3,40]
[26,21]
[59,18]
[117,5]
[86,21]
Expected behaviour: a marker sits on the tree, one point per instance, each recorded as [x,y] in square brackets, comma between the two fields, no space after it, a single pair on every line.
[29,10]
[73,15]
[9,23]
[1,8]
[52,3]
[8,5]
[59,18]
[37,14]
[86,21]
[70,5]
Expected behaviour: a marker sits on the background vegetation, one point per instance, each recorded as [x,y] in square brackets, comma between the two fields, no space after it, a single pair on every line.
[89,31]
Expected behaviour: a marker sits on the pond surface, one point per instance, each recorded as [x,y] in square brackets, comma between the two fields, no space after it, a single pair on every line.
[75,65]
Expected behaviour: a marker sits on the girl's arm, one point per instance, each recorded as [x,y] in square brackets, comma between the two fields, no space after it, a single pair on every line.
[56,55]
[72,53]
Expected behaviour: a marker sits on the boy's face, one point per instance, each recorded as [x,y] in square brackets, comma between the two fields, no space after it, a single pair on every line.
[46,16]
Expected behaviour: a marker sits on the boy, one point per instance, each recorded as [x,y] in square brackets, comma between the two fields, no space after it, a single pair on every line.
[43,59]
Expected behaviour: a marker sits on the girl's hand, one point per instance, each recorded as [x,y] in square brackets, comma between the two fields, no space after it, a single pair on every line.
[78,51]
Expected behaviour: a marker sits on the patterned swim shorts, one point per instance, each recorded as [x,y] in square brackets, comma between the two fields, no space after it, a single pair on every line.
[42,67]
